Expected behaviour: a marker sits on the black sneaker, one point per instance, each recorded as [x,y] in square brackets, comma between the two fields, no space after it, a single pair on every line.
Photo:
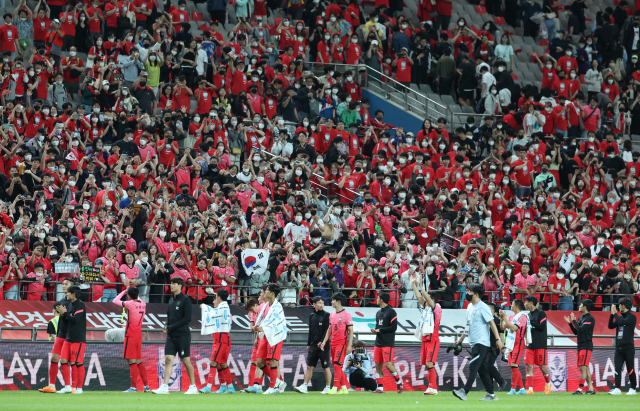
[590,392]
[578,392]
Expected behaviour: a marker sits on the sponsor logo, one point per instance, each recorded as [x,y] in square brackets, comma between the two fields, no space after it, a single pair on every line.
[558,370]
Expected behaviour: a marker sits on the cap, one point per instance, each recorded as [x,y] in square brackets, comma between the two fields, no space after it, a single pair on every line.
[56,21]
[464,56]
[41,131]
[105,82]
[409,133]
[374,42]
[560,31]
[74,240]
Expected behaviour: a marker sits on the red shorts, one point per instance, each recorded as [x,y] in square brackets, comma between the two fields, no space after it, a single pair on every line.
[57,346]
[382,354]
[220,348]
[584,358]
[73,352]
[132,348]
[429,351]
[338,352]
[535,357]
[516,355]
[268,352]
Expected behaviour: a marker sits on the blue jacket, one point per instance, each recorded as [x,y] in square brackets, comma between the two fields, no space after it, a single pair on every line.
[216,5]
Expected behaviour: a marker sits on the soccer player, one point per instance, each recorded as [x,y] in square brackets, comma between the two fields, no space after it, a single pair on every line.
[341,334]
[57,346]
[625,350]
[583,328]
[385,331]
[318,328]
[75,343]
[268,319]
[431,314]
[479,324]
[136,309]
[178,336]
[220,350]
[515,342]
[536,352]
[255,374]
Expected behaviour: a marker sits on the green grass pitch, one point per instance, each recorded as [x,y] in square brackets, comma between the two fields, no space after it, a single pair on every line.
[390,401]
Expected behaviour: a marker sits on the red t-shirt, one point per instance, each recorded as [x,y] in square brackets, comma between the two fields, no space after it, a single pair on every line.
[8,35]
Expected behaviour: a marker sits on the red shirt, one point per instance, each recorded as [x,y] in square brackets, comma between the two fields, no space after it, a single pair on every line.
[8,35]
[523,175]
[40,28]
[68,26]
[67,73]
[112,20]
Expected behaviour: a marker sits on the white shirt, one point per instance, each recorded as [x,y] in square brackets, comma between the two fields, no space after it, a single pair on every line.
[489,80]
[201,61]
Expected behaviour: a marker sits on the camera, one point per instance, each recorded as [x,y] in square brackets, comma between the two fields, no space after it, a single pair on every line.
[359,354]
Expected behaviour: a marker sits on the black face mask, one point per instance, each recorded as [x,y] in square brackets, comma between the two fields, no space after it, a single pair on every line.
[468,297]
[185,191]
[143,84]
[367,200]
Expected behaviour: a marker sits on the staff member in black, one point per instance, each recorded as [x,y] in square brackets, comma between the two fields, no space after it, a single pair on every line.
[625,350]
[318,325]
[583,328]
[178,336]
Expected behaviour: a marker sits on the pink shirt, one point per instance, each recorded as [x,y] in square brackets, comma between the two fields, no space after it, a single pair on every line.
[130,273]
[522,327]
[339,321]
[522,282]
[135,314]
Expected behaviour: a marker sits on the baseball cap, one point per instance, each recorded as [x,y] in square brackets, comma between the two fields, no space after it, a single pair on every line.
[74,240]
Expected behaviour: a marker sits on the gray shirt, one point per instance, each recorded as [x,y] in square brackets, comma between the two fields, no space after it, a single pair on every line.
[479,321]
[130,67]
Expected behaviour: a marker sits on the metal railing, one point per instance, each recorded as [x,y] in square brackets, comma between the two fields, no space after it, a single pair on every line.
[246,337]
[387,87]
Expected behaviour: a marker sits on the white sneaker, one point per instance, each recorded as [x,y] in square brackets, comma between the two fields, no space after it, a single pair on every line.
[66,390]
[193,390]
[631,391]
[326,390]
[281,386]
[302,389]
[615,391]
[78,391]
[163,389]
[270,391]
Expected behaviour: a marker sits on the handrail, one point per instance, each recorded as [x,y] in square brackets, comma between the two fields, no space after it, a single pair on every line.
[358,335]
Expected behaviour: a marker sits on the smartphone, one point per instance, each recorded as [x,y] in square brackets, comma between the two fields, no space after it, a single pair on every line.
[256,150]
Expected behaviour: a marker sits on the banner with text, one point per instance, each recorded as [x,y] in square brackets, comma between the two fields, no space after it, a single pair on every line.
[25,367]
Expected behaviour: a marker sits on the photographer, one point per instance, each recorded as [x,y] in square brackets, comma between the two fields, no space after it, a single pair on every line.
[357,368]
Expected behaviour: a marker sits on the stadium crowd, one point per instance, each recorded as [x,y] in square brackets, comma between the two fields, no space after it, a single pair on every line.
[184,137]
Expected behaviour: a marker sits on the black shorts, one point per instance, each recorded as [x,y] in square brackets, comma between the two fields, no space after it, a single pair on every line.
[315,354]
[180,345]
[467,94]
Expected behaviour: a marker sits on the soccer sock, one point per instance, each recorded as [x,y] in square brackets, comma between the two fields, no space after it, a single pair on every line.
[433,383]
[53,373]
[343,382]
[81,372]
[547,379]
[379,378]
[515,373]
[252,374]
[266,370]
[396,377]
[337,375]
[633,381]
[529,381]
[227,377]
[221,376]
[66,374]
[212,376]
[259,380]
[582,380]
[133,370]
[273,377]
[74,375]
[142,371]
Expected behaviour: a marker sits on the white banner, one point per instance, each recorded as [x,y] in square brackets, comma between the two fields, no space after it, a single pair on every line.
[254,260]
[215,320]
